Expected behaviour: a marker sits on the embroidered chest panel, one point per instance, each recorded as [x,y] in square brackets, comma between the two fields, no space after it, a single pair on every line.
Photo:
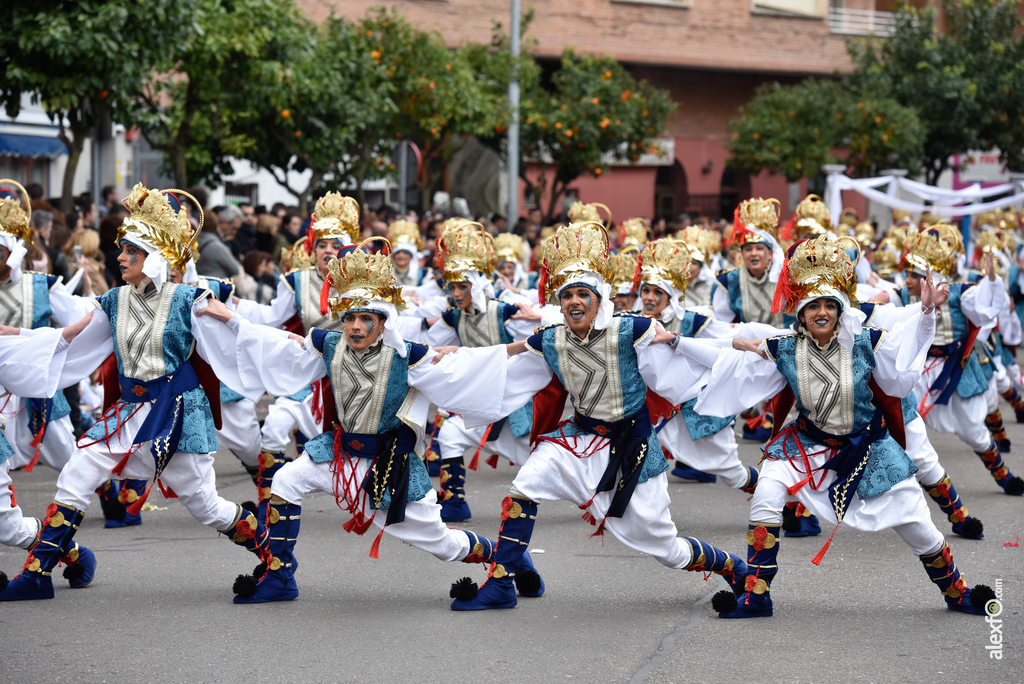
[139,330]
[482,329]
[590,370]
[698,293]
[16,302]
[307,293]
[756,299]
[825,378]
[360,385]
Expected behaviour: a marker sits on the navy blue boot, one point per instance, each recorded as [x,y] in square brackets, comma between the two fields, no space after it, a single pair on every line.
[1010,483]
[114,511]
[755,599]
[688,473]
[943,572]
[707,558]
[752,476]
[452,496]
[252,535]
[129,491]
[55,544]
[799,525]
[518,516]
[274,581]
[944,494]
[269,463]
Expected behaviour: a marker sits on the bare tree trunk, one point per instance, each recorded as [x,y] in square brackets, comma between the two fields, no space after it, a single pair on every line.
[180,167]
[75,142]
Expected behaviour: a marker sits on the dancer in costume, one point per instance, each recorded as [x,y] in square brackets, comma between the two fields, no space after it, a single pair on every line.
[406,245]
[706,244]
[334,227]
[381,388]
[620,274]
[952,387]
[27,363]
[478,319]
[606,458]
[39,429]
[840,458]
[162,429]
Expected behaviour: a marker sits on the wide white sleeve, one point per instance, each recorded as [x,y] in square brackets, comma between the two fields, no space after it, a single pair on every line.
[470,382]
[68,308]
[269,360]
[275,314]
[31,364]
[440,335]
[901,353]
[720,303]
[215,343]
[720,330]
[520,328]
[889,316]
[983,302]
[738,380]
[674,376]
[87,351]
[410,328]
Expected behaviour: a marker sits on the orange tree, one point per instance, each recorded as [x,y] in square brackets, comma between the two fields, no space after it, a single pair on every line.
[589,113]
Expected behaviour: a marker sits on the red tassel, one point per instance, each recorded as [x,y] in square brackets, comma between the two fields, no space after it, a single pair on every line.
[32,464]
[38,439]
[785,291]
[375,549]
[325,294]
[793,489]
[14,502]
[821,554]
[119,468]
[310,236]
[542,286]
[588,517]
[167,492]
[788,231]
[637,274]
[600,531]
[492,460]
[136,507]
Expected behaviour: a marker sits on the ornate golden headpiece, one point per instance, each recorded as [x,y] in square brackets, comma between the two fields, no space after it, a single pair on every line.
[15,219]
[762,214]
[621,270]
[816,267]
[886,257]
[154,220]
[937,247]
[580,212]
[990,241]
[706,242]
[466,247]
[358,278]
[899,215]
[296,257]
[407,233]
[849,217]
[810,218]
[335,218]
[579,248]
[508,247]
[634,232]
[898,236]
[667,259]
[864,234]
[929,220]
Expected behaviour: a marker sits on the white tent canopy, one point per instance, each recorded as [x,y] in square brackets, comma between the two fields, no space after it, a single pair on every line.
[942,202]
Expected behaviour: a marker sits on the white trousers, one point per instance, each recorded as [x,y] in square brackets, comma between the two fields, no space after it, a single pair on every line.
[191,476]
[902,508]
[963,417]
[58,440]
[421,528]
[283,417]
[15,528]
[717,454]
[922,453]
[554,474]
[454,439]
[240,431]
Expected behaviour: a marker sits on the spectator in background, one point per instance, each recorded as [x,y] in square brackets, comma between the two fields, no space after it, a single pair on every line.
[42,222]
[215,258]
[267,226]
[230,225]
[291,230]
[110,250]
[35,191]
[108,200]
[260,267]
[93,262]
[88,210]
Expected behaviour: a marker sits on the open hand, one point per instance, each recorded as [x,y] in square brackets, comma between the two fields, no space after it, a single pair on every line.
[443,352]
[216,309]
[935,295]
[526,313]
[750,346]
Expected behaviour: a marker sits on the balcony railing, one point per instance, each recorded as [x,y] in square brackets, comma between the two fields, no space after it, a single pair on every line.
[859,22]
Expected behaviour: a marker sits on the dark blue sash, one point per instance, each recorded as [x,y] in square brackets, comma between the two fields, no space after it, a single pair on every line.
[627,453]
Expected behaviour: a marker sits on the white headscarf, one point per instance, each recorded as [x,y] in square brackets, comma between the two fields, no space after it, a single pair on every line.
[778,256]
[851,319]
[675,307]
[603,289]
[482,289]
[392,337]
[155,267]
[17,254]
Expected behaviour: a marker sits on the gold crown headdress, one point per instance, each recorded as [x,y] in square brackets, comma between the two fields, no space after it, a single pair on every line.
[335,218]
[707,242]
[621,269]
[886,257]
[296,257]
[634,232]
[937,247]
[15,219]
[667,259]
[762,214]
[815,267]
[929,219]
[898,235]
[407,233]
[849,217]
[154,220]
[864,234]
[508,247]
[810,218]
[900,215]
[990,241]
[578,248]
[580,213]
[465,247]
[358,278]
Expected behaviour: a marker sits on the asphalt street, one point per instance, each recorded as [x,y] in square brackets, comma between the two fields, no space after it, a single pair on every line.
[160,610]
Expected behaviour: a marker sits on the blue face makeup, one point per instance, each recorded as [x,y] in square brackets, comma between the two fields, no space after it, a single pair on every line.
[369,327]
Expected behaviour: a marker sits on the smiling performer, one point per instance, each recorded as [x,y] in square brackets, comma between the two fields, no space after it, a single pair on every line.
[704,448]
[952,387]
[606,458]
[39,428]
[476,320]
[334,227]
[163,427]
[381,388]
[840,458]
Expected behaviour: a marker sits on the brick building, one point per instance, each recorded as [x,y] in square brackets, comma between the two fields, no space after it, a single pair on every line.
[710,54]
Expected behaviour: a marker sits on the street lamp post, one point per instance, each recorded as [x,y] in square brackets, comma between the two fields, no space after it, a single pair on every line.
[513,128]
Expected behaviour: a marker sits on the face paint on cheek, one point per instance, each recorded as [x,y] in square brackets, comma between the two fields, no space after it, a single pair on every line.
[587,299]
[369,328]
[133,256]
